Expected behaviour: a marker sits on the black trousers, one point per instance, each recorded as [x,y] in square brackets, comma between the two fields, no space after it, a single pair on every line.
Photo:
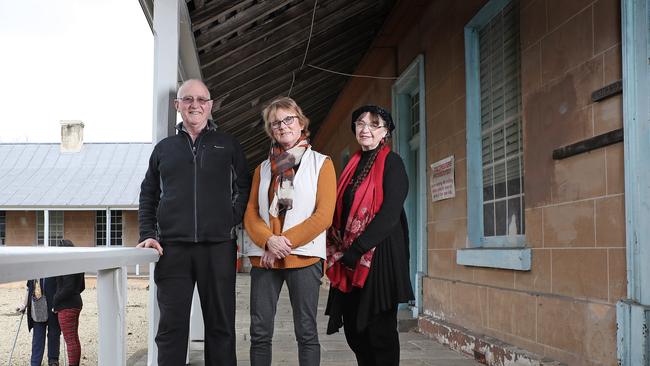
[212,267]
[378,343]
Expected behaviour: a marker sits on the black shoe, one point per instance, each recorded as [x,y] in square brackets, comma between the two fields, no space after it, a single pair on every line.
[53,363]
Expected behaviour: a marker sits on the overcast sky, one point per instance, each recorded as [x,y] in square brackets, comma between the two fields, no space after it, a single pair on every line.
[89,60]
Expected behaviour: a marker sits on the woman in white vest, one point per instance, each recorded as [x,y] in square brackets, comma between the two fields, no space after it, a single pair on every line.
[289,211]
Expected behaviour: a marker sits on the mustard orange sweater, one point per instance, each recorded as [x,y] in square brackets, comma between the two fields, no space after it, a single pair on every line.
[300,234]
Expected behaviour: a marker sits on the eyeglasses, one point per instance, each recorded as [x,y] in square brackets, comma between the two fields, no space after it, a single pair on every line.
[372,126]
[288,121]
[189,100]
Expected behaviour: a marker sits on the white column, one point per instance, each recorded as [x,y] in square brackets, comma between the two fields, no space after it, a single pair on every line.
[166,24]
[111,301]
[166,16]
[108,227]
[46,228]
[154,318]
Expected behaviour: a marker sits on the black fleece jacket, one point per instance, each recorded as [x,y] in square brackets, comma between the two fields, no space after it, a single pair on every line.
[194,191]
[68,292]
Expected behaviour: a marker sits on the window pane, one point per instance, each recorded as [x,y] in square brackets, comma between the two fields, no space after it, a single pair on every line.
[498,144]
[40,227]
[100,227]
[514,216]
[500,180]
[486,150]
[514,176]
[488,219]
[512,139]
[55,227]
[116,227]
[488,187]
[500,218]
[3,226]
[415,113]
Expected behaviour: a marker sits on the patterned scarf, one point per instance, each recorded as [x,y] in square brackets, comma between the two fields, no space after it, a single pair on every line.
[365,205]
[38,292]
[283,163]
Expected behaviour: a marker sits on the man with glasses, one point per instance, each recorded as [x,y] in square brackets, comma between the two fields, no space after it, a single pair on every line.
[194,193]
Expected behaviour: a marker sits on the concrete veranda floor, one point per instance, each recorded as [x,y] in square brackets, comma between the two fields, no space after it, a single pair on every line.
[416,349]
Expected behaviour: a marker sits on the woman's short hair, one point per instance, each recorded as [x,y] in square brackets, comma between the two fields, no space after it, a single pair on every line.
[287,103]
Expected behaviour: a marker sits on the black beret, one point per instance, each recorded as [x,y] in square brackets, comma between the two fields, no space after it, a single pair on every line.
[385,115]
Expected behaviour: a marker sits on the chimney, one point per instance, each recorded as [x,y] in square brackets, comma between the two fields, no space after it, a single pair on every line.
[72,136]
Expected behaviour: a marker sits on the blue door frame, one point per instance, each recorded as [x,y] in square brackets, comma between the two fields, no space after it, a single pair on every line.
[413,151]
[632,314]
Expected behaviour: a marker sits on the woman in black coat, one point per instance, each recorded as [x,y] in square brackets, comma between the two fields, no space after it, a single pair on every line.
[67,305]
[50,327]
[367,246]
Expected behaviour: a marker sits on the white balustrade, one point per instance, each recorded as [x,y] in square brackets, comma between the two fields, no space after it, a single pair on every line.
[23,263]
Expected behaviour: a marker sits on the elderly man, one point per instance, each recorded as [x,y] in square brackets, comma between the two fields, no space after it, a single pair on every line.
[194,193]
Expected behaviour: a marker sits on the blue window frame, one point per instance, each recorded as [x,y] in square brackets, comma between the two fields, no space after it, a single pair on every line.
[494,133]
[495,172]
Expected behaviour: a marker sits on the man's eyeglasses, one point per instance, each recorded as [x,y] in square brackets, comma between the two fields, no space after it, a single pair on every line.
[288,121]
[189,100]
[372,126]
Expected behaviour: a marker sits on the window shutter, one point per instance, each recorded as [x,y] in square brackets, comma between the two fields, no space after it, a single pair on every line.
[501,133]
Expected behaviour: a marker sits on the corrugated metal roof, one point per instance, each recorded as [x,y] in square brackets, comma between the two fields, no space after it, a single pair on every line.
[100,175]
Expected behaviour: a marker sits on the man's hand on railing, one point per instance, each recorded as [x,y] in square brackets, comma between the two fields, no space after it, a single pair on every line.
[151,243]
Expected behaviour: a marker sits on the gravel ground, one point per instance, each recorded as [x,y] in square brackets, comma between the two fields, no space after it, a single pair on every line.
[12,294]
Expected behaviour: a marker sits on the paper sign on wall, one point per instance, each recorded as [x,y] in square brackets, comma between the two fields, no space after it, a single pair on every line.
[442,179]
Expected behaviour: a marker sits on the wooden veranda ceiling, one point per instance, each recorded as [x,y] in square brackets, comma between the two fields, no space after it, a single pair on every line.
[251,50]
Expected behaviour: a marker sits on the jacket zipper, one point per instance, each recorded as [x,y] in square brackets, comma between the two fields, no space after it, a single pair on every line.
[193,150]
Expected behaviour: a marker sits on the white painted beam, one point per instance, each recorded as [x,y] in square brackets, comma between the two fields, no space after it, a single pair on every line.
[21,263]
[111,302]
[189,67]
[46,228]
[166,30]
[154,318]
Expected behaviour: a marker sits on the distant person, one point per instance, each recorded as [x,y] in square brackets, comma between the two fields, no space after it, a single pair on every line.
[193,195]
[42,290]
[67,305]
[367,245]
[289,210]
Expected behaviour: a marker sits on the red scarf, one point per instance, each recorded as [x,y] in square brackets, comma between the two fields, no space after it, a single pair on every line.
[365,205]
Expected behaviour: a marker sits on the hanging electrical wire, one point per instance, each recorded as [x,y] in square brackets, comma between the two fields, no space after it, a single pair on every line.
[304,58]
[353,75]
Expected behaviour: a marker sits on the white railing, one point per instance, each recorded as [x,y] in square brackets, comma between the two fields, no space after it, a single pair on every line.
[23,263]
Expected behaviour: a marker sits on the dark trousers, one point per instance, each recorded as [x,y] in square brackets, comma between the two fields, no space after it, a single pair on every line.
[378,343]
[51,327]
[211,266]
